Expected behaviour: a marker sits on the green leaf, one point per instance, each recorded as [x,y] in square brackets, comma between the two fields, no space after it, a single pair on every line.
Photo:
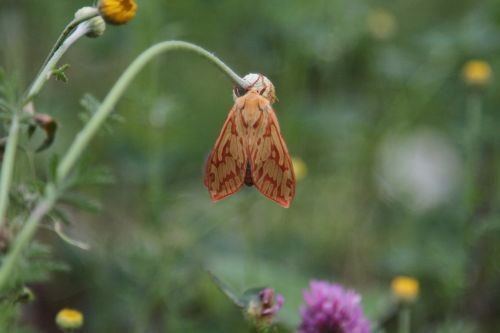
[60,74]
[94,175]
[54,162]
[81,201]
[61,215]
[91,104]
[59,231]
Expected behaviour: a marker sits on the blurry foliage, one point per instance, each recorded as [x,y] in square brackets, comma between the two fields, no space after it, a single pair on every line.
[342,91]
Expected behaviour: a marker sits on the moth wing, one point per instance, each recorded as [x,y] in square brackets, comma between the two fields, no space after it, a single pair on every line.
[226,164]
[271,165]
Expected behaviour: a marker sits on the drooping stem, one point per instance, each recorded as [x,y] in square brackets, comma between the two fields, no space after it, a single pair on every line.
[67,30]
[88,132]
[13,137]
[46,72]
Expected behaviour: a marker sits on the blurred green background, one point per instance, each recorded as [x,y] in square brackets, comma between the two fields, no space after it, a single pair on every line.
[371,98]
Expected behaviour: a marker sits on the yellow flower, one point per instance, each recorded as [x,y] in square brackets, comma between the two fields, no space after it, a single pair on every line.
[405,288]
[381,23]
[476,72]
[69,319]
[300,168]
[117,11]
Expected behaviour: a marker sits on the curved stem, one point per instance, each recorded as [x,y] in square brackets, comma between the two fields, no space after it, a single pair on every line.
[88,132]
[67,30]
[46,72]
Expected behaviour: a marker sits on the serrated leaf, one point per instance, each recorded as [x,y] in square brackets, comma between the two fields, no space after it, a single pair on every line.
[60,74]
[81,201]
[94,176]
[90,103]
[62,215]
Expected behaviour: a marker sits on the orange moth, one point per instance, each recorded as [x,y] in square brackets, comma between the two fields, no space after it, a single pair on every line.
[250,149]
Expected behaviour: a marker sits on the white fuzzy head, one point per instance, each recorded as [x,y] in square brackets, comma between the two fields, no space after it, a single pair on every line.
[258,81]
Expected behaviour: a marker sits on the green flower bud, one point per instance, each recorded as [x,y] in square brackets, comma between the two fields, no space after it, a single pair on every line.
[85,11]
[97,26]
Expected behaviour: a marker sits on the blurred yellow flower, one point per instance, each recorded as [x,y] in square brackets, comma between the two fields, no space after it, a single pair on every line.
[381,23]
[299,167]
[476,72]
[117,11]
[405,288]
[69,319]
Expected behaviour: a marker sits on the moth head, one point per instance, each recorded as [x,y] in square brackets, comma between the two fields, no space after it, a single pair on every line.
[263,85]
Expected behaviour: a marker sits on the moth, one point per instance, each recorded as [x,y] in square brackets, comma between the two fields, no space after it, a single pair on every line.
[250,150]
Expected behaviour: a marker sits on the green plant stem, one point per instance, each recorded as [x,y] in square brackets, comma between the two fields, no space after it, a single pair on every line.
[8,167]
[46,72]
[13,137]
[88,132]
[67,30]
[404,320]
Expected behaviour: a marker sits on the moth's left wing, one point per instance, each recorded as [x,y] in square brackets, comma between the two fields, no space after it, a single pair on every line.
[271,165]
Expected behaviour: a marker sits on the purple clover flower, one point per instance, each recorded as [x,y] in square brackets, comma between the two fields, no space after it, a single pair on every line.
[330,308]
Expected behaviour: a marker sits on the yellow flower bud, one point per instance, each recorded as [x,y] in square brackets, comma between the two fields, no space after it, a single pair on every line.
[299,167]
[405,288]
[69,319]
[476,73]
[117,11]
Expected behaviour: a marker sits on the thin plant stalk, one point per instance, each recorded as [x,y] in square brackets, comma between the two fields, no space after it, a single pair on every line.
[46,72]
[88,132]
[404,319]
[67,30]
[8,167]
[13,137]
